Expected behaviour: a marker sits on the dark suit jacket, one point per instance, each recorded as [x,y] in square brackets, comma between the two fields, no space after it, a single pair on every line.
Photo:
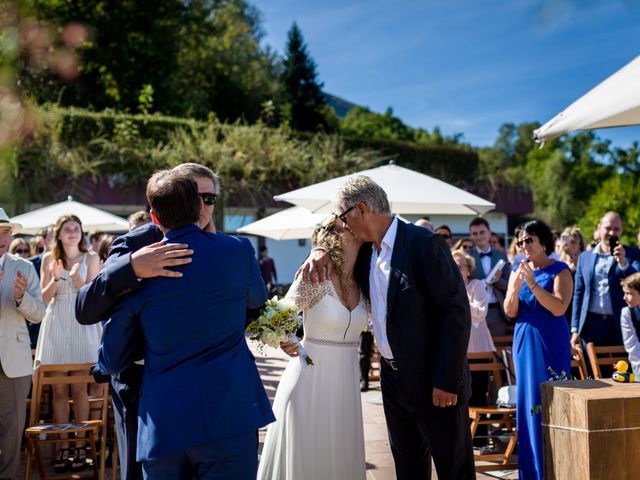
[428,316]
[584,276]
[96,299]
[200,380]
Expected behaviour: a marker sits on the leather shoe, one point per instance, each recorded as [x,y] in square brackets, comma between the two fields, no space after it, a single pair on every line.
[364,386]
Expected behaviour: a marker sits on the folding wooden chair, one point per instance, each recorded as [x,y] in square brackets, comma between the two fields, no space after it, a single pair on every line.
[500,417]
[605,355]
[578,361]
[49,433]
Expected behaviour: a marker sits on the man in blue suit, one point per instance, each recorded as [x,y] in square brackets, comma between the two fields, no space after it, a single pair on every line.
[203,399]
[598,297]
[138,255]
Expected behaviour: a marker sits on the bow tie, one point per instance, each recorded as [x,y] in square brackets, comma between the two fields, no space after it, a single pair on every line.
[485,254]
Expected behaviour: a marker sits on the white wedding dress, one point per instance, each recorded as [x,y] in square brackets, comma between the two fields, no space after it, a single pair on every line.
[318,432]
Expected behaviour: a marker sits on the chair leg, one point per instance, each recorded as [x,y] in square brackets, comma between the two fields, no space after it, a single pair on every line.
[29,459]
[511,446]
[92,442]
[38,455]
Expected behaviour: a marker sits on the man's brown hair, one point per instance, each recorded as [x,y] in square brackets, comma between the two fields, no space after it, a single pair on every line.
[174,199]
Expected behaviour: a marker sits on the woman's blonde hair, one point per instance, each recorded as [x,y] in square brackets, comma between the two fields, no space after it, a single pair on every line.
[58,250]
[471,263]
[325,237]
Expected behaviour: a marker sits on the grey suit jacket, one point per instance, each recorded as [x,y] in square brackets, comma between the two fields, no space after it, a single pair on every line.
[500,286]
[15,347]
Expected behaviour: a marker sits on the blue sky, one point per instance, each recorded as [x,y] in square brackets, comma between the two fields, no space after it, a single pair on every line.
[467,66]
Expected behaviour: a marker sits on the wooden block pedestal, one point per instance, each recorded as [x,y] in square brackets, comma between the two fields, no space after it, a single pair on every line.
[591,430]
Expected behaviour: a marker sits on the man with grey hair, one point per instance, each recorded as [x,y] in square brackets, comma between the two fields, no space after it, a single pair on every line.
[421,322]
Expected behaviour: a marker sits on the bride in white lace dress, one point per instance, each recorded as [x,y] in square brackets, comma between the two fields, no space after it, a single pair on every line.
[318,433]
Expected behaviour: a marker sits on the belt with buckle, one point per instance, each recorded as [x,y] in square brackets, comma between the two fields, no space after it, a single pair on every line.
[601,316]
[392,363]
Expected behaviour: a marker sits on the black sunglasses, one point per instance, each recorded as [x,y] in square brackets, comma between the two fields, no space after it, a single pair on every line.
[208,198]
[526,240]
[40,249]
[343,215]
[20,251]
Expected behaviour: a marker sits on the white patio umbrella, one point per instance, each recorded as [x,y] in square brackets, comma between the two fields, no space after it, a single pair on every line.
[91,218]
[289,224]
[409,192]
[613,103]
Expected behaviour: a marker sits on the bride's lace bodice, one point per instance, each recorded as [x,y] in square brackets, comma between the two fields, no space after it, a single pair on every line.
[325,316]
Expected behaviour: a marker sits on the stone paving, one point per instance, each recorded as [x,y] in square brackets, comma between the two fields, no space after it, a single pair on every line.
[271,364]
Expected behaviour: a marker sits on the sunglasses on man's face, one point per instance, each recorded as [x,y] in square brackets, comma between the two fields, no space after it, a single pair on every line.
[524,241]
[208,198]
[343,215]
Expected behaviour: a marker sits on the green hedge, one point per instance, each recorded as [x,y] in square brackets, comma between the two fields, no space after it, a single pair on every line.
[255,162]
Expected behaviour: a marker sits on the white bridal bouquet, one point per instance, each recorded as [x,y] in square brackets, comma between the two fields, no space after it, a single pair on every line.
[278,321]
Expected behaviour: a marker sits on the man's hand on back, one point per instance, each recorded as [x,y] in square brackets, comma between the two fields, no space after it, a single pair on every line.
[316,268]
[154,260]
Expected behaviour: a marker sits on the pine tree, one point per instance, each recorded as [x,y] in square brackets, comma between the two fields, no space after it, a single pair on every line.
[306,106]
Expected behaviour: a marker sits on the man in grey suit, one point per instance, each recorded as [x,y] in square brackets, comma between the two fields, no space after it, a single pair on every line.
[486,258]
[20,300]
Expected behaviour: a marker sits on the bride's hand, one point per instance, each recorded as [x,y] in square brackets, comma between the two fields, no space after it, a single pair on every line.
[290,348]
[316,268]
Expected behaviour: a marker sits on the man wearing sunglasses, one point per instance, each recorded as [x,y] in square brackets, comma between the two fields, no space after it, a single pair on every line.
[421,322]
[139,254]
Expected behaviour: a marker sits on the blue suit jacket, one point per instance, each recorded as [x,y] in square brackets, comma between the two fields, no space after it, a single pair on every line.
[582,284]
[116,278]
[200,380]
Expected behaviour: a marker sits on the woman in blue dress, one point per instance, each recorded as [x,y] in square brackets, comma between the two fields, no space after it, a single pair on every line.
[539,293]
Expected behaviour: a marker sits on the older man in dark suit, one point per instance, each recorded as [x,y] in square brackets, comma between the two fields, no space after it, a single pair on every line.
[421,322]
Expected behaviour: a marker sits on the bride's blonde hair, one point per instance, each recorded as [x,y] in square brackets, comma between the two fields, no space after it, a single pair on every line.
[325,236]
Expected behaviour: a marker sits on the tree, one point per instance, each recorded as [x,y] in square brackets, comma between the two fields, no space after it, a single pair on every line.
[621,194]
[306,107]
[362,122]
[133,43]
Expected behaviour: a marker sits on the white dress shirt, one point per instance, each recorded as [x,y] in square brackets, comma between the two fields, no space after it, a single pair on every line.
[379,287]
[630,340]
[485,262]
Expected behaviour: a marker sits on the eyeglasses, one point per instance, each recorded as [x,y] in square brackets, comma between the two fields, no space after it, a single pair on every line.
[466,247]
[445,236]
[21,251]
[208,198]
[40,249]
[526,240]
[343,215]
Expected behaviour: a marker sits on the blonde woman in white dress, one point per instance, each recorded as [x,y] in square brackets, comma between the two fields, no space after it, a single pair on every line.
[318,433]
[66,268]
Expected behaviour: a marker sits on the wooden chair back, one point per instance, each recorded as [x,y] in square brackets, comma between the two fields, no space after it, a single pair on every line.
[490,362]
[605,355]
[578,361]
[40,433]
